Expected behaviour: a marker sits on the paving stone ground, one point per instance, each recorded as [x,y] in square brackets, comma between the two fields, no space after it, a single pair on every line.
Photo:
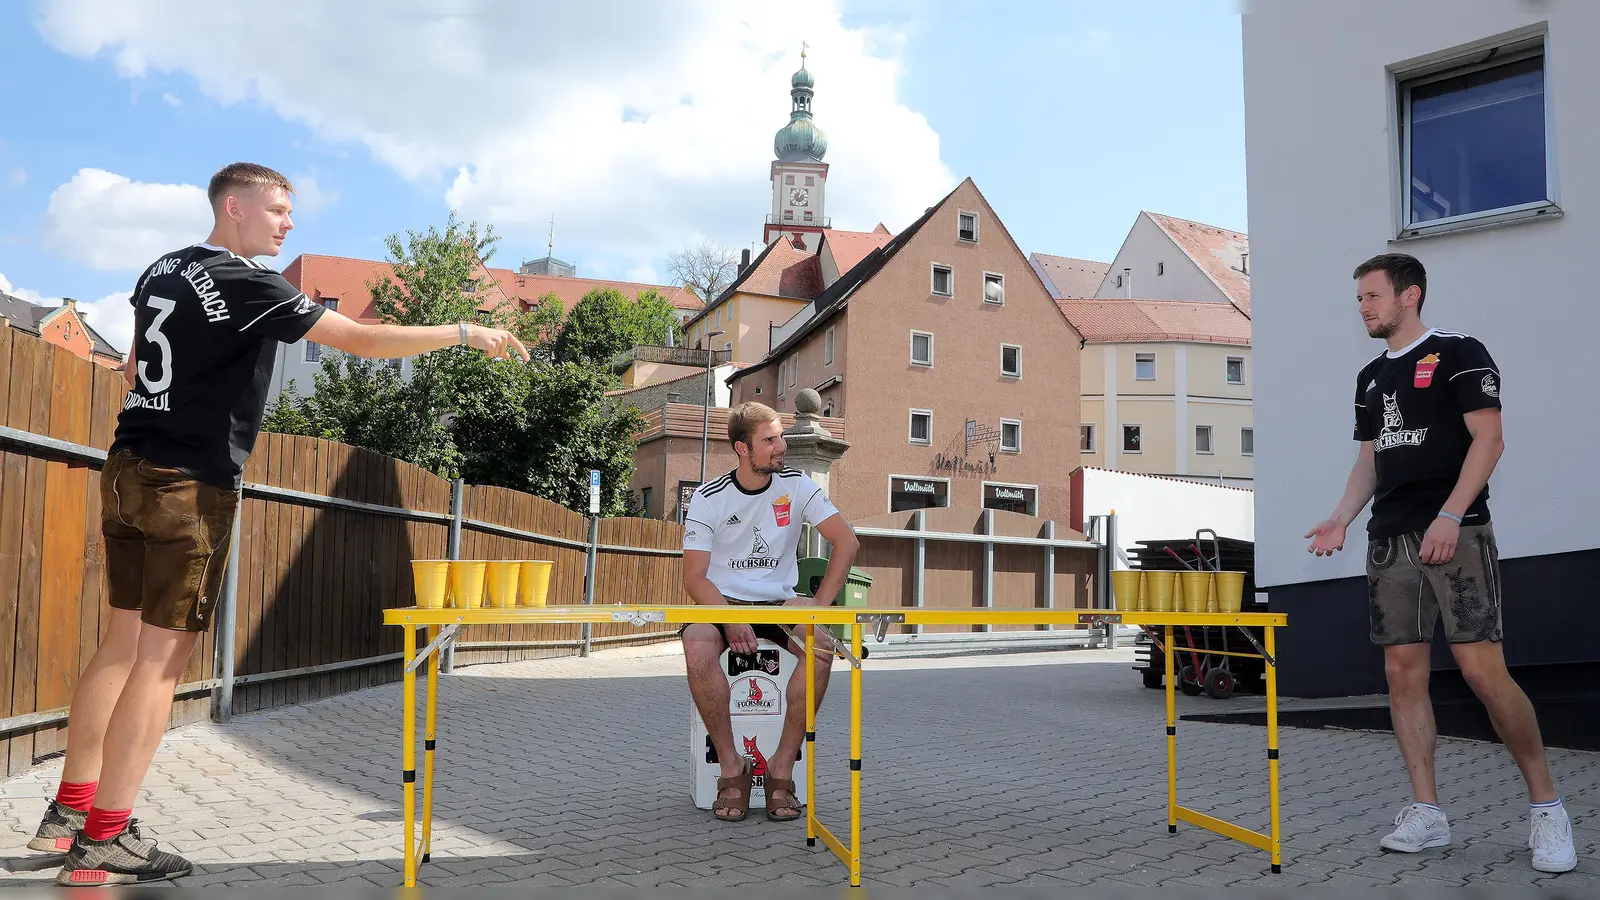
[1032,770]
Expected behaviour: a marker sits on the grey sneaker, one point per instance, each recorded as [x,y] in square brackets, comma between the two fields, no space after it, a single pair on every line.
[126,858]
[60,825]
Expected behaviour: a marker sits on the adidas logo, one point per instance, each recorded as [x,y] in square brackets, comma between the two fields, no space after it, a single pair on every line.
[732,520]
[1372,384]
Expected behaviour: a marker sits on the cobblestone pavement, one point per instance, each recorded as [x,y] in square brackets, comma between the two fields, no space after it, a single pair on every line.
[1038,769]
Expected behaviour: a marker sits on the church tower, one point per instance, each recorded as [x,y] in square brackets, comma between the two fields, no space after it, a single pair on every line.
[799,176]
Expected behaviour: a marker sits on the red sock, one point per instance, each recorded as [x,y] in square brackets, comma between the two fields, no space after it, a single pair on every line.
[79,795]
[106,823]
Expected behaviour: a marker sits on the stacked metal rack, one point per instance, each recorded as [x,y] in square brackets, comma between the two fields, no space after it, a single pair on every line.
[1202,669]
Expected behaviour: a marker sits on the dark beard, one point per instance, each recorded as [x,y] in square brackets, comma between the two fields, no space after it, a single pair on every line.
[773,469]
[1384,331]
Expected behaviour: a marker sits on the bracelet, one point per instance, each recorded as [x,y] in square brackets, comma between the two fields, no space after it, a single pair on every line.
[1449,515]
[463,327]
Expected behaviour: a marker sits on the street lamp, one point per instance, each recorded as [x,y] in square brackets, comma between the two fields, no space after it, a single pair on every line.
[705,419]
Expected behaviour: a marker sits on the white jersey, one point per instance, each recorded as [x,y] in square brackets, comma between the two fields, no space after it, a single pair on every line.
[753,536]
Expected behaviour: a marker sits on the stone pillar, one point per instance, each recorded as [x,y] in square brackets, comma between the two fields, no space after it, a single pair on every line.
[813,451]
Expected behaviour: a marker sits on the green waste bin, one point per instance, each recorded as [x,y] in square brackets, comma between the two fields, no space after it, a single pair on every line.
[857,584]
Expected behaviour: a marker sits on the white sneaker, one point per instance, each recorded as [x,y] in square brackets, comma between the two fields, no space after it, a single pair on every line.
[1417,828]
[1551,841]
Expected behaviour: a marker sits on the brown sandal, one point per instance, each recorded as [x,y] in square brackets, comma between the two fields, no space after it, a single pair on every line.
[784,787]
[740,803]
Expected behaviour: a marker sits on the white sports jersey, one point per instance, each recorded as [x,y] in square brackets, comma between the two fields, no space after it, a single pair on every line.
[753,536]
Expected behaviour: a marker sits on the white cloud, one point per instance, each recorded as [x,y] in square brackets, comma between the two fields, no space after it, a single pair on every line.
[169,99]
[109,222]
[310,196]
[111,315]
[634,124]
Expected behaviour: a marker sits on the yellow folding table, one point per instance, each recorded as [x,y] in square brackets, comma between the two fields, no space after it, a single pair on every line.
[439,627]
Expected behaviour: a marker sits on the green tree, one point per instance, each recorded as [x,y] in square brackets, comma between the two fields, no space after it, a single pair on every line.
[605,323]
[537,427]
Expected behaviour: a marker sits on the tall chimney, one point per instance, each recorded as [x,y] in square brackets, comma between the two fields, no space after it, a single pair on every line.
[1127,280]
[744,260]
[1244,262]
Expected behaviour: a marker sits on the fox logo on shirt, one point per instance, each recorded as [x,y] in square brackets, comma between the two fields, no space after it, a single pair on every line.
[759,548]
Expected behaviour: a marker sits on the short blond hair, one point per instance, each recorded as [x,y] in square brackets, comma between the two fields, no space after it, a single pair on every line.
[743,419]
[234,176]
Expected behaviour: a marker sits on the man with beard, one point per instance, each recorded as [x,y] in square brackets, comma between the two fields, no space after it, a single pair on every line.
[1428,419]
[740,547]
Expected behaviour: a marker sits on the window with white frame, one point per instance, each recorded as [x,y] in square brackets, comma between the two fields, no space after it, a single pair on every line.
[967,226]
[994,287]
[1010,436]
[783,376]
[943,281]
[794,369]
[921,348]
[921,426]
[1247,441]
[1236,370]
[1011,360]
[313,352]
[1202,439]
[1133,439]
[395,366]
[1475,138]
[1144,366]
[1086,437]
[827,348]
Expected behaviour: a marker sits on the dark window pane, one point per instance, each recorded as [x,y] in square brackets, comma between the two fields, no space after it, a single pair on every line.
[1477,142]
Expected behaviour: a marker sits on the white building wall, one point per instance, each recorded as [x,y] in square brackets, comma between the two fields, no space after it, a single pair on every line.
[1321,186]
[1150,508]
[1145,246]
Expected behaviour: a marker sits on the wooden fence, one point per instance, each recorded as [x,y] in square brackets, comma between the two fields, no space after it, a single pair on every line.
[326,531]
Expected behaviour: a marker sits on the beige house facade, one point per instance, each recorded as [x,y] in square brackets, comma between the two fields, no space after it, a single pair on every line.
[1166,388]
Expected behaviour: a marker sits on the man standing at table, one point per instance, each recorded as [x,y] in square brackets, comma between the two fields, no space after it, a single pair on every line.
[207,321]
[740,547]
[1427,414]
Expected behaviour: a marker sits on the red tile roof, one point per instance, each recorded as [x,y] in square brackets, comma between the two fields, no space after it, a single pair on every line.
[851,247]
[1137,321]
[785,272]
[1217,251]
[347,279]
[1069,278]
[531,288]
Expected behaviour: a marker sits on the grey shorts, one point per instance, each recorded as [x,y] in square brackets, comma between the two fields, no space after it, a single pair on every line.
[1405,597]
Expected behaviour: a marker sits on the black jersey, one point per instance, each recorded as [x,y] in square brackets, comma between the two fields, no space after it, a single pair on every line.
[206,326]
[1410,405]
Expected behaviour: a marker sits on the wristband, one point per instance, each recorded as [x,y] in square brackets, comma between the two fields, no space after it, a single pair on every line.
[1450,515]
[463,326]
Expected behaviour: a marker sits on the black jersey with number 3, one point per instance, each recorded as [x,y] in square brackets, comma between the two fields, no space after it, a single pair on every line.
[1410,404]
[206,326]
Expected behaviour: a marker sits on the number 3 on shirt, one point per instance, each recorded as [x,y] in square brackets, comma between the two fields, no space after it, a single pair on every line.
[154,336]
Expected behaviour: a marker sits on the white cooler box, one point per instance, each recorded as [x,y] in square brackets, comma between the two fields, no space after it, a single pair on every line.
[756,707]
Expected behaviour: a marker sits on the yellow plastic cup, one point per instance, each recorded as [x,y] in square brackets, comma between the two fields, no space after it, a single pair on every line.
[1230,591]
[1196,588]
[430,578]
[1158,591]
[466,583]
[1125,585]
[502,580]
[535,582]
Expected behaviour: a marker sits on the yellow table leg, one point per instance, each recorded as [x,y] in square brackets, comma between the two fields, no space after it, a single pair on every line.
[428,745]
[1272,746]
[855,761]
[1172,737]
[811,735]
[408,753]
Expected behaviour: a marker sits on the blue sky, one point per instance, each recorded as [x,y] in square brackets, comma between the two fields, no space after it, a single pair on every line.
[640,132]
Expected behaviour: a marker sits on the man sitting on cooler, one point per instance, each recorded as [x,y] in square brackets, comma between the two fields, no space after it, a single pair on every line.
[740,547]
